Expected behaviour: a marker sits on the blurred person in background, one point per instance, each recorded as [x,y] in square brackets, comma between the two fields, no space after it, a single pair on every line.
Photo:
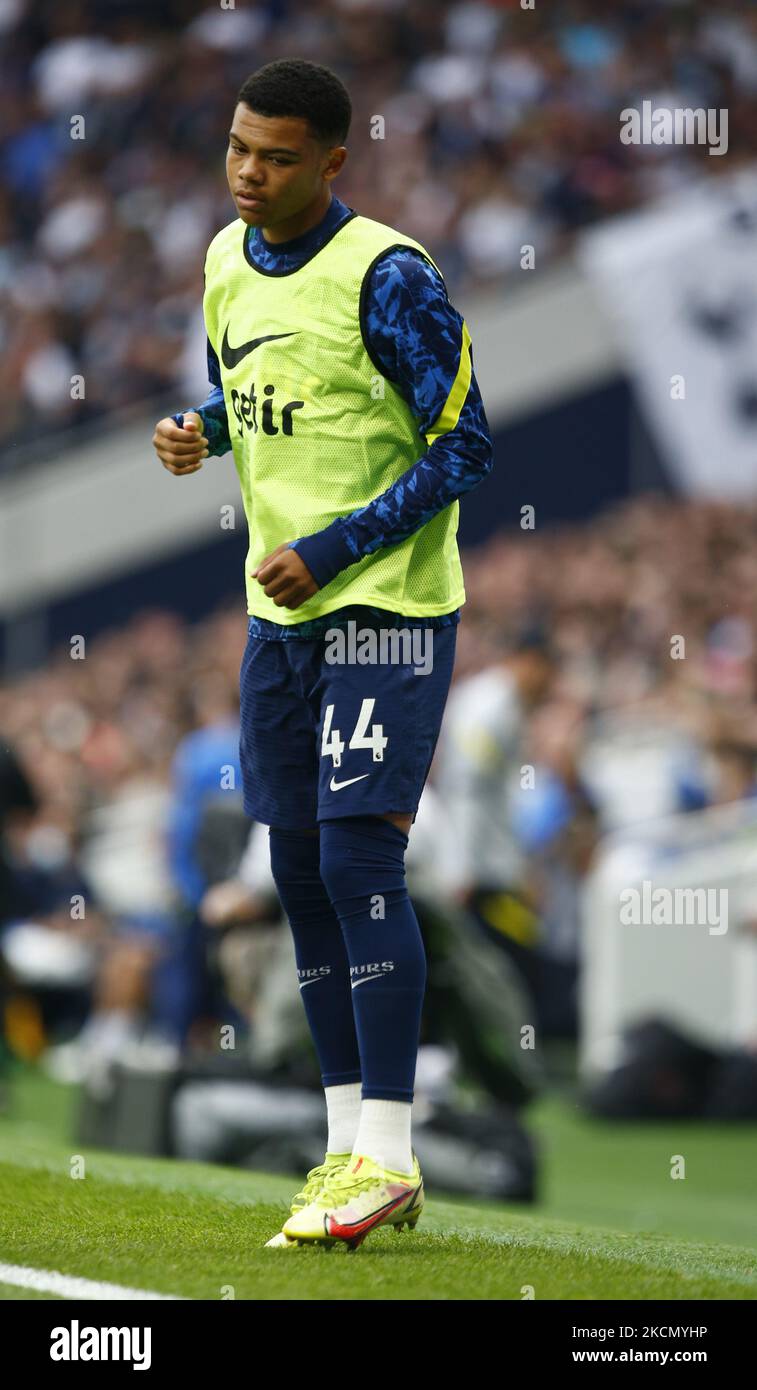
[204,836]
[556,826]
[481,768]
[725,771]
[17,804]
[54,956]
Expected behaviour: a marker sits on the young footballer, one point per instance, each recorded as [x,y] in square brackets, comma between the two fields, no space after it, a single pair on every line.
[342,381]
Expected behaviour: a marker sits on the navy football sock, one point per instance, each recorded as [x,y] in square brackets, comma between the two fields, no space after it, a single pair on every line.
[363,869]
[322,964]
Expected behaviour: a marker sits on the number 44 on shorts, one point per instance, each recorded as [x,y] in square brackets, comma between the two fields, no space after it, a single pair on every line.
[332,744]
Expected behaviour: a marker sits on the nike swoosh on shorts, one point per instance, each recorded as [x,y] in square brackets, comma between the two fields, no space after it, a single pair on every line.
[337,786]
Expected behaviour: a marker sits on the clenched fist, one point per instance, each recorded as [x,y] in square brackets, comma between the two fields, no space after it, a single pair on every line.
[181,450]
[285,577]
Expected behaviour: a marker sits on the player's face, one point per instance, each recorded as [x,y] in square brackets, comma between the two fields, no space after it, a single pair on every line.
[275,167]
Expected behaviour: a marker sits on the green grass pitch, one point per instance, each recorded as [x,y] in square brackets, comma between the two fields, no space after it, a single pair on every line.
[611,1223]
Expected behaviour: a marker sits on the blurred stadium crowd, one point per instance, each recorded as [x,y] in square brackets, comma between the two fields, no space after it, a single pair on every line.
[121,783]
[501,130]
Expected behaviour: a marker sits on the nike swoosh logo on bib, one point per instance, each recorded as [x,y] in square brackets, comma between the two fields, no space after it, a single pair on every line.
[232,356]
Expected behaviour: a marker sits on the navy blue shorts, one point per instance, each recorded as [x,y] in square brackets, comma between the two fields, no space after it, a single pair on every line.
[323,735]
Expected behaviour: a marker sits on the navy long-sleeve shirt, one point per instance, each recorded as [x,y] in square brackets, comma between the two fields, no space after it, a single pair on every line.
[415,336]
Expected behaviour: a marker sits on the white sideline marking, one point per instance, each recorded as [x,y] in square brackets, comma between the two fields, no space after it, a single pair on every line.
[69,1286]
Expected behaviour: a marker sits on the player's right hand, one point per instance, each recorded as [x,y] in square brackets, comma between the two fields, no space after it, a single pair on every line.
[181,450]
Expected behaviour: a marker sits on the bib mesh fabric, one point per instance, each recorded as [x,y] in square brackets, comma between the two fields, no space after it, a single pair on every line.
[317,431]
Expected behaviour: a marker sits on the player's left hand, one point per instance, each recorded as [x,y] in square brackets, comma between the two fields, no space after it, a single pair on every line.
[285,577]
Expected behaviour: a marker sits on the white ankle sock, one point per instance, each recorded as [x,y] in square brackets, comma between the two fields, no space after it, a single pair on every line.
[343,1109]
[384,1134]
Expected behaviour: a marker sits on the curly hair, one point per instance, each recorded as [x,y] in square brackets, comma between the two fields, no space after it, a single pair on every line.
[295,87]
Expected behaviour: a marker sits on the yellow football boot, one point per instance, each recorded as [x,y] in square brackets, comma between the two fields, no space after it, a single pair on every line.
[355,1200]
[314,1183]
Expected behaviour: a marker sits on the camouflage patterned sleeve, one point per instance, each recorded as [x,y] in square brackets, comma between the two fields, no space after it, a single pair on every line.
[212,410]
[422,345]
